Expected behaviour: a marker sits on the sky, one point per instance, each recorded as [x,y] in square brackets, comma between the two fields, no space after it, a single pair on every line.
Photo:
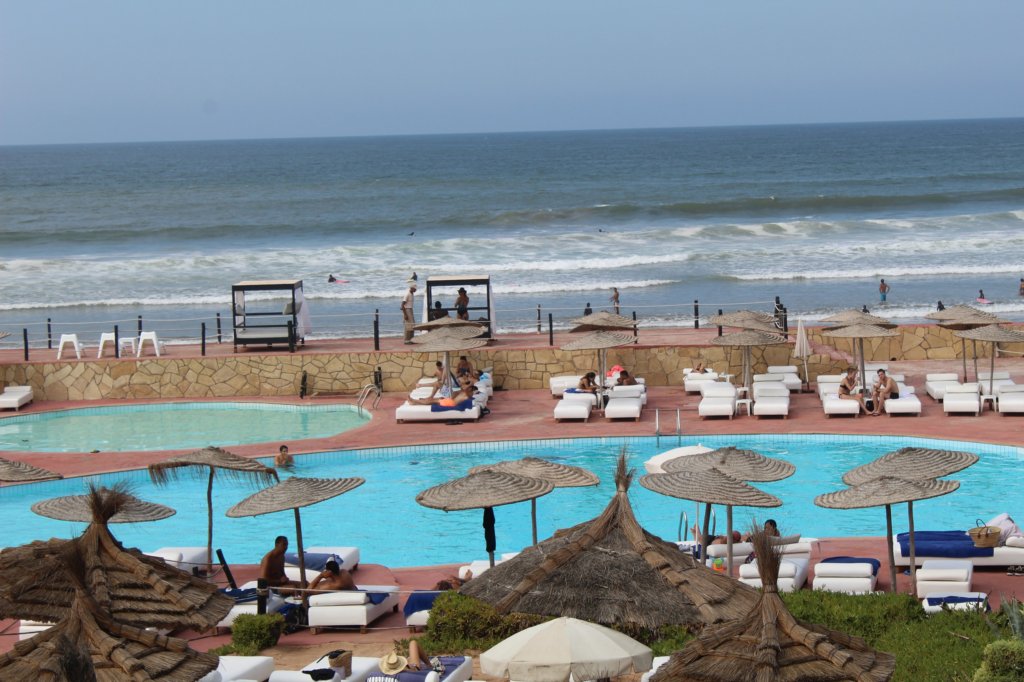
[125,71]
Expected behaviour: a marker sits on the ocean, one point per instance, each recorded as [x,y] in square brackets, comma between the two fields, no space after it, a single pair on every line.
[96,235]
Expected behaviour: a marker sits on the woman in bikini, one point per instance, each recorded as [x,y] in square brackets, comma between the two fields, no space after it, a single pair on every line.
[846,387]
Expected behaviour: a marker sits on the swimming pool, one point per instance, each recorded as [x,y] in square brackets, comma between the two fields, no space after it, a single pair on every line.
[383,519]
[174,426]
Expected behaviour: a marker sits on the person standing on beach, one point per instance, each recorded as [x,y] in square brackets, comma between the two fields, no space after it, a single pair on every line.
[615,299]
[883,289]
[407,317]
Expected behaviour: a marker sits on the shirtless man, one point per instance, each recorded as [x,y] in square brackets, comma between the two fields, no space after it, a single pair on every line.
[272,566]
[283,458]
[625,379]
[333,578]
[883,290]
[846,387]
[615,299]
[885,389]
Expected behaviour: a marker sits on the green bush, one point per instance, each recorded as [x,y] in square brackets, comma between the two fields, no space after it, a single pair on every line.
[254,633]
[1003,662]
[867,615]
[944,646]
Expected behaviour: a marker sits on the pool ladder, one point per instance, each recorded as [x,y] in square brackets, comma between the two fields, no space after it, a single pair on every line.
[366,392]
[657,423]
[683,532]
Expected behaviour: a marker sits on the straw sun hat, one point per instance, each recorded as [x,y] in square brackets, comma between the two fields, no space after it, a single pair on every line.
[392,664]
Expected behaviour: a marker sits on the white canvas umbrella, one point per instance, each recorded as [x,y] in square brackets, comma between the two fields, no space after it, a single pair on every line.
[564,647]
[802,348]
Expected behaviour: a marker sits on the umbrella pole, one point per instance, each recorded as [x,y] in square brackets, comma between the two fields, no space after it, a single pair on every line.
[704,534]
[892,553]
[209,523]
[728,537]
[860,343]
[913,555]
[974,352]
[992,369]
[302,554]
[963,353]
[533,517]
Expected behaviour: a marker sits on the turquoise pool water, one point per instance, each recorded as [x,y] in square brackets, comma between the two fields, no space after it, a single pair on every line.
[383,519]
[174,426]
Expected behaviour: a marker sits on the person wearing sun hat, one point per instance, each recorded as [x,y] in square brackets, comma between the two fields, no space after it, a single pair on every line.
[392,664]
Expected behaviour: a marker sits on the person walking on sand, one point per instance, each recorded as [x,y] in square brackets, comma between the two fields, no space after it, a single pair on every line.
[407,317]
[615,299]
[883,289]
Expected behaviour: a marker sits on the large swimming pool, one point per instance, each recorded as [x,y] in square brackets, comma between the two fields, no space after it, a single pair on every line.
[174,426]
[383,519]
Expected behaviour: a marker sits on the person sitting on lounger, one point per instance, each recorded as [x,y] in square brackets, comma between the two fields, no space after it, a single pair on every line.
[272,566]
[587,383]
[464,368]
[847,386]
[333,577]
[771,529]
[625,379]
[717,539]
[393,663]
[698,368]
[885,389]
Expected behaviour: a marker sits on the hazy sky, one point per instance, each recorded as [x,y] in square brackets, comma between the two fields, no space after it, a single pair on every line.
[128,70]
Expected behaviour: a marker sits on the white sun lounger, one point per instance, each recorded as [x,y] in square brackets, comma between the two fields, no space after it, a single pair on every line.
[568,408]
[834,405]
[362,668]
[936,384]
[275,602]
[1011,400]
[771,400]
[15,397]
[789,375]
[409,412]
[560,383]
[851,578]
[905,404]
[350,608]
[184,558]
[962,398]
[958,601]
[719,400]
[624,408]
[828,384]
[792,574]
[693,381]
[241,668]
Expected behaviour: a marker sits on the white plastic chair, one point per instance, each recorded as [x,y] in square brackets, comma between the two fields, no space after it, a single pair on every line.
[71,339]
[151,337]
[125,341]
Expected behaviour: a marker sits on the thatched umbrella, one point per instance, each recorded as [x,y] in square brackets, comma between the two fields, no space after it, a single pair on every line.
[710,486]
[130,586]
[89,643]
[745,319]
[644,581]
[746,340]
[447,343]
[995,335]
[558,475]
[294,493]
[601,321]
[600,341]
[450,332]
[768,644]
[78,509]
[19,472]
[449,324]
[959,317]
[656,464]
[861,332]
[485,490]
[566,649]
[914,463]
[847,318]
[211,461]
[745,465]
[887,491]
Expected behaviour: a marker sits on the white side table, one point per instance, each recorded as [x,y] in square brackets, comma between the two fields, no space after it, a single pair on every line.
[990,399]
[744,401]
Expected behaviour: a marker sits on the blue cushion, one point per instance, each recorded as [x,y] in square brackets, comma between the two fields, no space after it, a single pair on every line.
[875,563]
[315,561]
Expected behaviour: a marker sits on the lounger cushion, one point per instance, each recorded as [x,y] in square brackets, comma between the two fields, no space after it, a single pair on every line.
[1006,526]
[343,598]
[1015,541]
[623,408]
[573,409]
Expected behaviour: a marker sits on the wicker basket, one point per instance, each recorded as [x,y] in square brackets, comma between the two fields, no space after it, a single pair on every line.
[985,536]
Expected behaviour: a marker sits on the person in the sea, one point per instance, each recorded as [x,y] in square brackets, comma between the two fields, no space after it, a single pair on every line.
[625,379]
[1020,290]
[885,389]
[981,295]
[615,299]
[590,311]
[847,386]
[940,307]
[462,304]
[883,290]
[272,565]
[407,316]
[283,458]
[331,279]
[333,577]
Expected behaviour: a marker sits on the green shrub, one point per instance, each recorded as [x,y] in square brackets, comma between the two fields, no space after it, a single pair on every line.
[671,639]
[867,615]
[944,646]
[251,632]
[1003,662]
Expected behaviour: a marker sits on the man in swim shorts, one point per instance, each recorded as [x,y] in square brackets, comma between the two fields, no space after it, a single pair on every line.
[272,566]
[885,389]
[883,289]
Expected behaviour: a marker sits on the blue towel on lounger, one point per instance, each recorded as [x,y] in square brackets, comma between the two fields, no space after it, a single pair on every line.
[939,601]
[875,563]
[241,596]
[450,664]
[466,404]
[420,600]
[315,561]
[949,544]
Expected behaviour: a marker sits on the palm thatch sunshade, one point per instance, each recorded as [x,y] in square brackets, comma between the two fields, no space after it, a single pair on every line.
[768,644]
[128,585]
[211,461]
[601,321]
[447,343]
[745,319]
[558,475]
[450,323]
[861,332]
[887,491]
[745,465]
[19,472]
[914,463]
[294,493]
[656,464]
[644,580]
[964,317]
[746,340]
[710,486]
[450,332]
[995,335]
[484,490]
[847,318]
[78,508]
[599,341]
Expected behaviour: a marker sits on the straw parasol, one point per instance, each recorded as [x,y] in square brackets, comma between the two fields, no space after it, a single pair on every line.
[294,493]
[446,343]
[861,332]
[746,340]
[130,586]
[742,318]
[847,318]
[449,332]
[995,335]
[601,321]
[485,490]
[558,475]
[212,461]
[450,323]
[768,643]
[78,508]
[745,465]
[19,472]
[566,649]
[656,464]
[887,491]
[914,463]
[802,348]
[960,317]
[644,581]
[599,341]
[710,486]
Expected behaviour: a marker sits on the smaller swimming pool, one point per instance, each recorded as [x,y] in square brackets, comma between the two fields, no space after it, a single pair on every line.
[174,426]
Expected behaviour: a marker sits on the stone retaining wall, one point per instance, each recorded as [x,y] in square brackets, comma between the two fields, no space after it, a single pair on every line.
[528,368]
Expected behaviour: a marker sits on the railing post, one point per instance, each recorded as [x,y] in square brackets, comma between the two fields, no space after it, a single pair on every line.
[218,329]
[202,333]
[636,331]
[24,341]
[261,597]
[719,326]
[785,319]
[696,314]
[117,342]
[291,341]
[376,329]
[49,333]
[538,318]
[139,329]
[551,329]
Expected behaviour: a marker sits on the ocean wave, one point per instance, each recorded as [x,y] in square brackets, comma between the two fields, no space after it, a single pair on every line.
[884,271]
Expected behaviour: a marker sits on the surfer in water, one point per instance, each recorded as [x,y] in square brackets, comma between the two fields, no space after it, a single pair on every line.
[981,297]
[331,279]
